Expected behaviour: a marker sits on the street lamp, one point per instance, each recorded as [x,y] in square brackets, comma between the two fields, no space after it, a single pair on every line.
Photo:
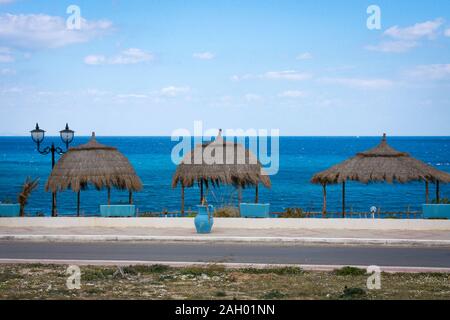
[66,135]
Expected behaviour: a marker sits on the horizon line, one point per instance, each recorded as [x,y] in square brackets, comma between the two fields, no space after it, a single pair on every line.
[281,136]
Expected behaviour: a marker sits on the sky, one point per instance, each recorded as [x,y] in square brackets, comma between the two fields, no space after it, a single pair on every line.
[307,68]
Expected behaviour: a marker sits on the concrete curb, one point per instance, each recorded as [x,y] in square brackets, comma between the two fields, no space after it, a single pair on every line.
[229,239]
[176,264]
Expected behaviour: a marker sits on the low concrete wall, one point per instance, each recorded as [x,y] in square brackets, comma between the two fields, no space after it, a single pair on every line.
[232,223]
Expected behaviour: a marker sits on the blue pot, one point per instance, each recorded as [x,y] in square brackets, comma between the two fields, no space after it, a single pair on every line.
[203,224]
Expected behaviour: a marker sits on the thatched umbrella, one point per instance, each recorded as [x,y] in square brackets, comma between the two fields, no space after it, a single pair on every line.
[219,162]
[96,164]
[380,164]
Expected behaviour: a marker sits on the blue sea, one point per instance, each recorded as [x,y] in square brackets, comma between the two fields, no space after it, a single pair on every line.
[300,158]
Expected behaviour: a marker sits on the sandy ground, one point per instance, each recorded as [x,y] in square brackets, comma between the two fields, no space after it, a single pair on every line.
[161,282]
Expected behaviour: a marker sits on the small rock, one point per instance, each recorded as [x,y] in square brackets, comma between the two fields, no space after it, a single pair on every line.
[205,277]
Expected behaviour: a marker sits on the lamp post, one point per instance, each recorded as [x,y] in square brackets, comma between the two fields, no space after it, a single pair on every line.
[66,136]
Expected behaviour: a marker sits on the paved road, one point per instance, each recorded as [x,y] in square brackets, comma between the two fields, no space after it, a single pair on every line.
[243,253]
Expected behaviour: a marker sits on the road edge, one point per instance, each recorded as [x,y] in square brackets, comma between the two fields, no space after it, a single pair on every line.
[228,239]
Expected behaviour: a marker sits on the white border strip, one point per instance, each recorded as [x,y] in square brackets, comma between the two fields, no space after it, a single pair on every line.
[177,264]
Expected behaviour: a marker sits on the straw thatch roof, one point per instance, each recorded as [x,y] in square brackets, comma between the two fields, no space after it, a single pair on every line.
[220,162]
[381,164]
[96,164]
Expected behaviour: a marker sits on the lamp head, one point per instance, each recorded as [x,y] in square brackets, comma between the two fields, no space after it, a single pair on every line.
[37,134]
[67,135]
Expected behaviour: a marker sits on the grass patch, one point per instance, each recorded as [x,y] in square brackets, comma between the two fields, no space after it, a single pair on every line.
[210,271]
[215,282]
[220,294]
[350,271]
[273,294]
[353,293]
[8,275]
[278,271]
[145,269]
[95,274]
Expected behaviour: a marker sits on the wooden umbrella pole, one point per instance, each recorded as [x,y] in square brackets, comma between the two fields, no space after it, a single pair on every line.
[324,209]
[78,203]
[257,193]
[438,200]
[343,199]
[182,199]
[54,212]
[109,196]
[426,192]
[130,197]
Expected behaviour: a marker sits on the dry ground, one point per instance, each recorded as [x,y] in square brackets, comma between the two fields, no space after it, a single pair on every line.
[161,282]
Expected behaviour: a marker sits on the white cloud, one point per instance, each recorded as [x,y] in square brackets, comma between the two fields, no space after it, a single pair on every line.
[243,77]
[94,59]
[407,38]
[129,56]
[286,75]
[431,72]
[359,83]
[132,56]
[132,96]
[173,91]
[204,55]
[292,94]
[36,31]
[11,90]
[426,29]
[6,1]
[7,72]
[447,32]
[5,58]
[275,75]
[304,56]
[6,55]
[393,46]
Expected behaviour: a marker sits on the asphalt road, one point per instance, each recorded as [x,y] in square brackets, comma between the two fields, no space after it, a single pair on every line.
[243,253]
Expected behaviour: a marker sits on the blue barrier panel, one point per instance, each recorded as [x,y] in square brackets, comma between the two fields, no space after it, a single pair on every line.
[9,210]
[254,210]
[440,211]
[126,210]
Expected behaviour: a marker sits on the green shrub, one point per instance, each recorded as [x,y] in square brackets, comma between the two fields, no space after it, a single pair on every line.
[148,215]
[227,212]
[293,213]
[212,270]
[145,269]
[350,271]
[94,274]
[220,294]
[441,201]
[7,201]
[352,293]
[278,271]
[273,294]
